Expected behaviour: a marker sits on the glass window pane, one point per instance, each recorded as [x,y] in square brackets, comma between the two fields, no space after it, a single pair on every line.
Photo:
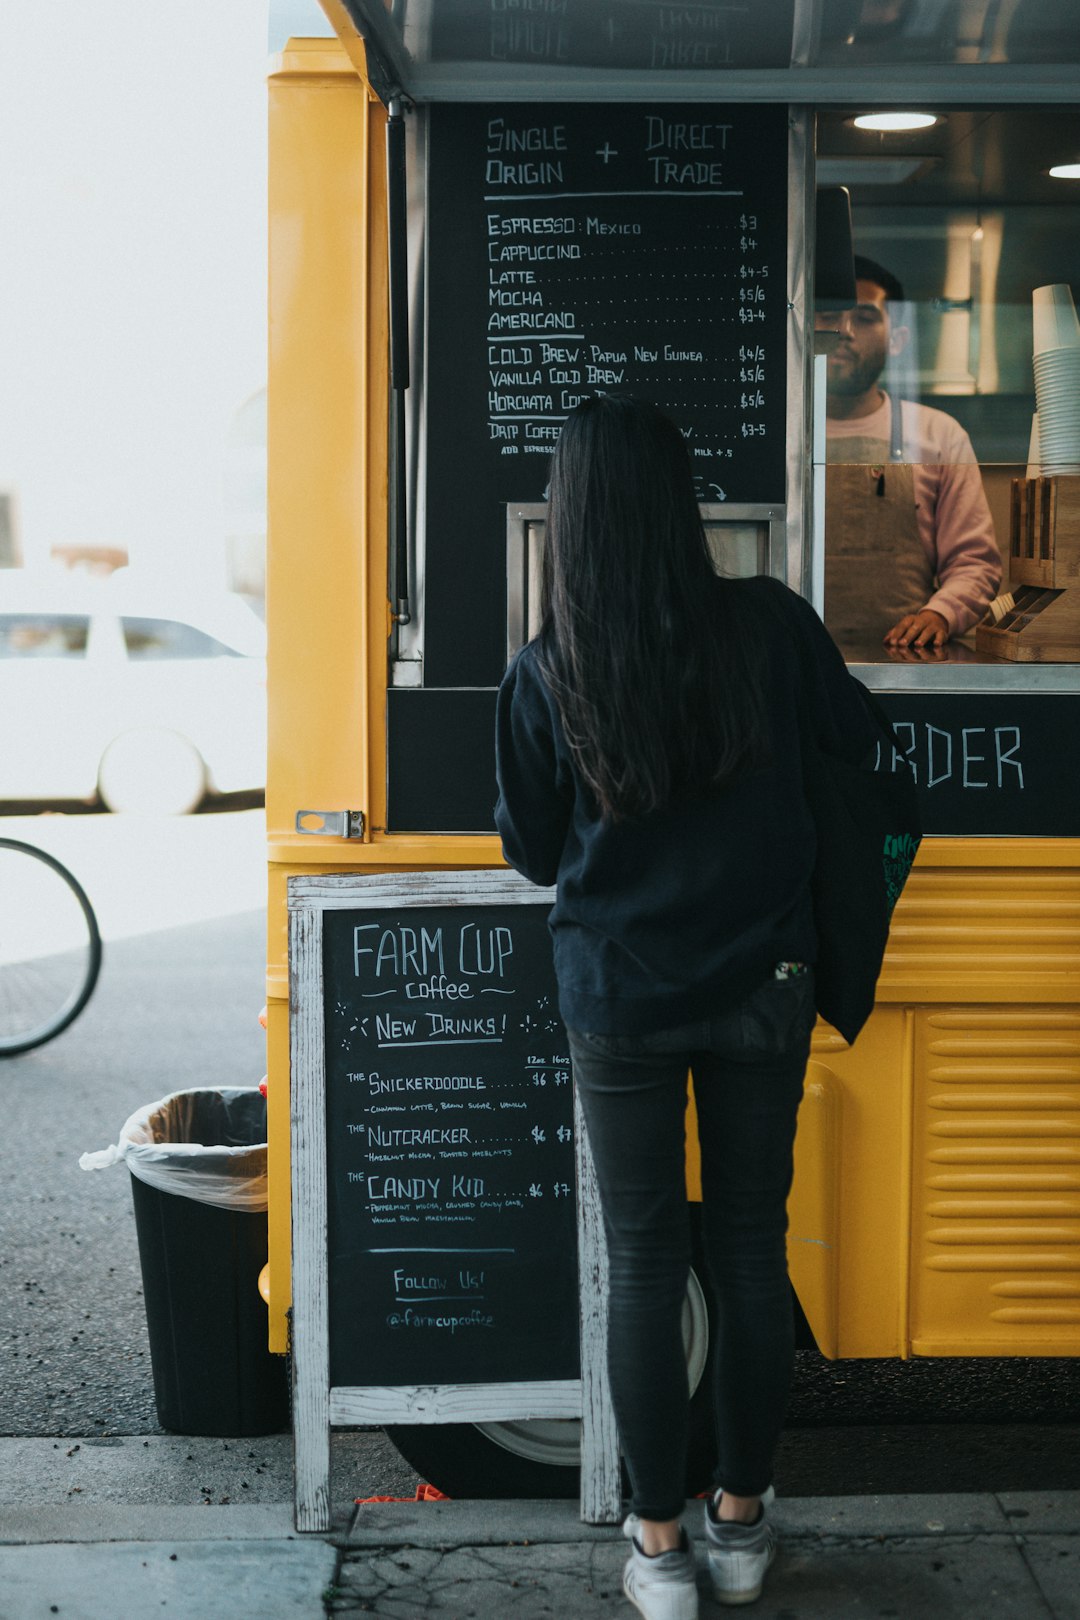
[939,496]
[43,635]
[168,638]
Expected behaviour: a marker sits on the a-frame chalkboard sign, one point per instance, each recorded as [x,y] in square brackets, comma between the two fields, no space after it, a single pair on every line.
[441,1180]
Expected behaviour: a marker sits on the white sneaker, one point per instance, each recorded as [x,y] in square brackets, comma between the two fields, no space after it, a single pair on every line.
[768,1497]
[739,1554]
[664,1587]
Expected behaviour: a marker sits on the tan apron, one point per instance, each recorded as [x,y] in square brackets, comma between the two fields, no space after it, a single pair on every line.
[875,567]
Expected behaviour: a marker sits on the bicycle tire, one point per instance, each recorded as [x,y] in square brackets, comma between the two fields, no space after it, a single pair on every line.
[22,1035]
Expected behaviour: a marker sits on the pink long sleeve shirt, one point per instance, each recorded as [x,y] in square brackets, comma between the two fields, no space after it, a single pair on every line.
[955,526]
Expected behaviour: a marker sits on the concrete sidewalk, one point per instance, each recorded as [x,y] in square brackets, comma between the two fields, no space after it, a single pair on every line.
[108,1549]
[921,1558]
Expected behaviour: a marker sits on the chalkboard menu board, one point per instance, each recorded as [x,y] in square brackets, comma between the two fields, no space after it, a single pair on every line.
[448,1262]
[450,1156]
[615,33]
[581,248]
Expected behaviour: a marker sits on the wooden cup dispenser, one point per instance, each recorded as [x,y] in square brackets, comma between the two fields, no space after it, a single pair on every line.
[1039,621]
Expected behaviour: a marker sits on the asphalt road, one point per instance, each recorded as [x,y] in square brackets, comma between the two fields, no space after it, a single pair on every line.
[181,908]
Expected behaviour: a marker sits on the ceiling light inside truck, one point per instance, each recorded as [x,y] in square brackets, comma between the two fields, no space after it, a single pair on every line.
[895,122]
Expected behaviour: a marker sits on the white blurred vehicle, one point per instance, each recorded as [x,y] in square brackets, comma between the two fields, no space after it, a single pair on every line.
[146,695]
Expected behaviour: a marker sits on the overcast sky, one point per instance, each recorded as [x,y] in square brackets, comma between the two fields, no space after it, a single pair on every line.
[132,266]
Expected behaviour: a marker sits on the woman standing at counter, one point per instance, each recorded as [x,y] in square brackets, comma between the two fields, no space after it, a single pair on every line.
[649,764]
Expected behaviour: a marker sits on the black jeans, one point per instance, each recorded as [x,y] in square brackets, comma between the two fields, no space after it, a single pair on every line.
[747,1066]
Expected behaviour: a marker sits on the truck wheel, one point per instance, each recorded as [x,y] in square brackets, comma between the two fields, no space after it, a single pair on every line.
[542,1457]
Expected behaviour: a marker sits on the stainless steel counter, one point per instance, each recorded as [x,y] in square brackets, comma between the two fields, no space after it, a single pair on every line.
[956,667]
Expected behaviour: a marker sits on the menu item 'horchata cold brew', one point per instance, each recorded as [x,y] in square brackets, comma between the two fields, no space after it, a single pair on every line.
[575,248]
[451,1211]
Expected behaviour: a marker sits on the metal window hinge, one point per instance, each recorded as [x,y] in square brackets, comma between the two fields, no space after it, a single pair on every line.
[331,823]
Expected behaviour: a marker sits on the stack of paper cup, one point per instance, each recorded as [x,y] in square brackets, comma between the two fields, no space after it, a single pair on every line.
[1057,378]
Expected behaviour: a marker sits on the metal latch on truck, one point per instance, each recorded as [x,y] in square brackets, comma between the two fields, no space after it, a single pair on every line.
[330,823]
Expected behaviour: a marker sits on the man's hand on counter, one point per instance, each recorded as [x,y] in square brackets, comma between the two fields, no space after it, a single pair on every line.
[931,652]
[923,629]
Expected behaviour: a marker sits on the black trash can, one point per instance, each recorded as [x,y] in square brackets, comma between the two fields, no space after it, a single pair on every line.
[198,1179]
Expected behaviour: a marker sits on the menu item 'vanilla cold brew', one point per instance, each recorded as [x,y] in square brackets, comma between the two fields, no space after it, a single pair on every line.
[450,1153]
[582,248]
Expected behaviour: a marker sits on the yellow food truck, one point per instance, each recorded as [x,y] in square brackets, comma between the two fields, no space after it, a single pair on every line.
[483,210]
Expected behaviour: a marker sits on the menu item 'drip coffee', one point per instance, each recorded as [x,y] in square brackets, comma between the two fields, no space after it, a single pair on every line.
[450,1151]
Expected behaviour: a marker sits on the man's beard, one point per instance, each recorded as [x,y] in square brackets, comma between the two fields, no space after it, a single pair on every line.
[857,378]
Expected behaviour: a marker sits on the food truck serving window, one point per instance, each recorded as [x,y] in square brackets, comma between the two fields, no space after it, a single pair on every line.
[943,499]
[566,247]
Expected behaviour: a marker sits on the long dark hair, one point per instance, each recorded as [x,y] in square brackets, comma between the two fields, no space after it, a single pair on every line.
[657,688]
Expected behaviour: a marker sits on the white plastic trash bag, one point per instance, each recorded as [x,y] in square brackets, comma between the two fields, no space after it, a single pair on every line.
[208,1145]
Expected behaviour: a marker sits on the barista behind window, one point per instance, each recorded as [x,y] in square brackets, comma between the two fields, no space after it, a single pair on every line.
[910,554]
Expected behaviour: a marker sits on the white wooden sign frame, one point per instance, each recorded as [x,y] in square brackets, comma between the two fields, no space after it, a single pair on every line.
[317,1408]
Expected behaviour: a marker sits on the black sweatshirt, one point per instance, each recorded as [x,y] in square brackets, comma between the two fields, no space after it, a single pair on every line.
[673,916]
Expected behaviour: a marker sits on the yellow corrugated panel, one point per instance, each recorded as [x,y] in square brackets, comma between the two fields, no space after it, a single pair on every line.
[1008,932]
[996,1205]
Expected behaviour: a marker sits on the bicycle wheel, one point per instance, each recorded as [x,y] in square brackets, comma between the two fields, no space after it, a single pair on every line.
[50,948]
